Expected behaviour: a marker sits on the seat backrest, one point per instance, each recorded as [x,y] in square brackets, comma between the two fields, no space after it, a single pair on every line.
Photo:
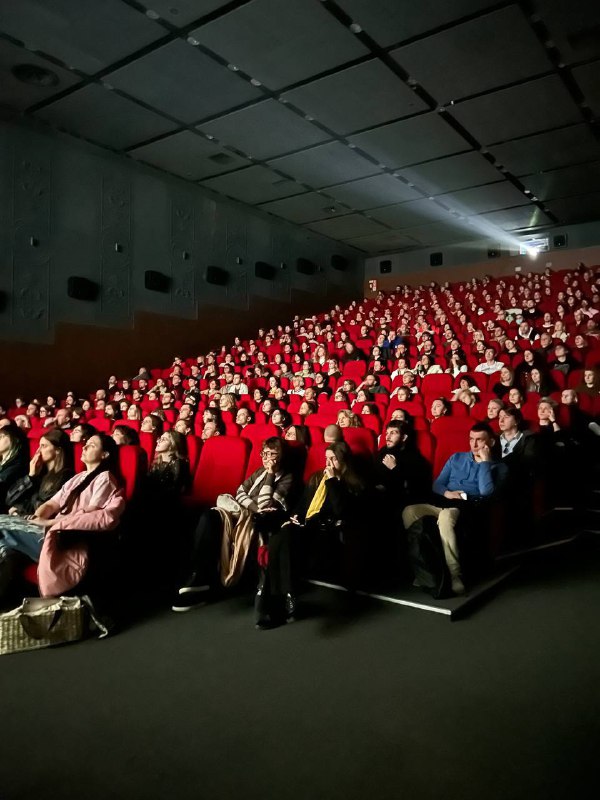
[194,448]
[438,385]
[133,464]
[148,443]
[445,446]
[221,469]
[315,460]
[362,441]
[77,462]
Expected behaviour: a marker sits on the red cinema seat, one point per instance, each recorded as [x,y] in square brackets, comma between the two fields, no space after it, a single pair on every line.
[133,464]
[221,469]
[372,422]
[448,425]
[77,462]
[316,434]
[362,441]
[445,446]
[425,445]
[148,443]
[194,448]
[438,385]
[101,424]
[315,460]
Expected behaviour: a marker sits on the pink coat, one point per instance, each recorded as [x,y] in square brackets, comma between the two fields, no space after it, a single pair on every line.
[97,508]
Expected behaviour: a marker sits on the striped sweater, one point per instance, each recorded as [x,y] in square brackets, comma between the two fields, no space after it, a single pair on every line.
[262,490]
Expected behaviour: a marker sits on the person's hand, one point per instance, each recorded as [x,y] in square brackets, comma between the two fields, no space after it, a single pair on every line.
[456,495]
[43,523]
[12,512]
[484,453]
[267,510]
[389,461]
[329,472]
[35,464]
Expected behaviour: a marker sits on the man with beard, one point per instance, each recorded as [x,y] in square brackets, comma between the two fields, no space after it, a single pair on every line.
[402,472]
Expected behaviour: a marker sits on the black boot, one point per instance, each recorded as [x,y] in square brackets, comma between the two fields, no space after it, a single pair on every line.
[262,604]
[9,562]
[290,608]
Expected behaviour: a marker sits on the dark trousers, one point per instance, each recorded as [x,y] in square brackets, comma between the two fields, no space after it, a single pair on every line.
[205,550]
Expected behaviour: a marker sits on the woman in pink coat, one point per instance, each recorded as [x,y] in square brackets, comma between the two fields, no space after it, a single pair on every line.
[91,501]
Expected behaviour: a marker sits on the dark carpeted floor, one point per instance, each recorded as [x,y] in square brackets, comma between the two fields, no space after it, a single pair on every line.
[394,703]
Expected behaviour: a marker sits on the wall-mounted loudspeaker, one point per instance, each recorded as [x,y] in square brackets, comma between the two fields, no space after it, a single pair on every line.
[82,288]
[436,259]
[3,301]
[216,276]
[494,252]
[156,281]
[265,271]
[339,262]
[306,267]
[385,267]
[560,240]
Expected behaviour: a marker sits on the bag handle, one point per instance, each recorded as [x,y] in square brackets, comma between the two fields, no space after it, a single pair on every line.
[39,628]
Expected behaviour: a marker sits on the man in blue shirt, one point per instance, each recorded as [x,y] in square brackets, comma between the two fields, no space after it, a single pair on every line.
[465,480]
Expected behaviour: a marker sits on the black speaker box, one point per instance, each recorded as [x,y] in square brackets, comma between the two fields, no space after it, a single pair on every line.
[494,252]
[560,240]
[306,267]
[265,271]
[82,288]
[385,267]
[3,300]
[339,262]
[436,259]
[156,281]
[217,276]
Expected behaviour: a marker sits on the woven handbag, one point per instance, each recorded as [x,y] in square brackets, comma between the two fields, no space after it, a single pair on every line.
[42,622]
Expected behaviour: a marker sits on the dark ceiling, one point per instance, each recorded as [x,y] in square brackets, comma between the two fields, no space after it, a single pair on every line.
[388,124]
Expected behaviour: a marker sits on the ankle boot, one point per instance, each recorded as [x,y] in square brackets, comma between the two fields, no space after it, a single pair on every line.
[290,608]
[9,560]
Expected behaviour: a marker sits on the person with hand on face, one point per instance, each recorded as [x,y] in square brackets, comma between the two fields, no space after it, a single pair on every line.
[467,479]
[13,458]
[400,470]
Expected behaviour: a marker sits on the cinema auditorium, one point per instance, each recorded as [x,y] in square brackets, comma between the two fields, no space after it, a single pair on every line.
[299,399]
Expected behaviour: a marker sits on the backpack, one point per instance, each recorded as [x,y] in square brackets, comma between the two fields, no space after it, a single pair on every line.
[426,556]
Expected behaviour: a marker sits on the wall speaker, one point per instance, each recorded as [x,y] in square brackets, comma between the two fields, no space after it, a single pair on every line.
[385,267]
[216,276]
[494,252]
[339,262]
[3,301]
[265,271]
[306,267]
[82,288]
[156,281]
[436,259]
[560,240]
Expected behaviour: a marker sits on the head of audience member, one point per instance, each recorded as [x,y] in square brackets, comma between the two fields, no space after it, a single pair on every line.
[467,397]
[100,453]
[183,427]
[82,432]
[170,446]
[397,434]
[123,434]
[212,428]
[227,403]
[186,412]
[306,408]
[568,397]
[280,418]
[348,419]
[510,422]
[546,411]
[268,406]
[591,379]
[515,397]
[440,407]
[244,417]
[332,433]
[134,413]
[494,407]
[481,441]
[152,423]
[339,463]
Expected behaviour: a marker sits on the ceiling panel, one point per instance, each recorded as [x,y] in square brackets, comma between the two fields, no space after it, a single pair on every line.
[358,97]
[487,52]
[256,184]
[19,95]
[405,215]
[81,33]
[388,22]
[325,165]
[548,150]
[440,233]
[386,241]
[188,155]
[305,208]
[280,43]
[183,12]
[103,116]
[573,26]
[582,208]
[518,111]
[588,78]
[265,130]
[379,190]
[410,141]
[564,182]
[183,82]
[346,227]
[450,174]
[527,216]
[480,199]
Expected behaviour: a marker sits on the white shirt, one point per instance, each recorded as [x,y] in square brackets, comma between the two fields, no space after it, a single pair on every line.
[488,368]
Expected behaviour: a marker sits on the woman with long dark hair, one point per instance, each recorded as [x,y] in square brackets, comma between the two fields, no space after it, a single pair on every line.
[89,502]
[13,459]
[50,468]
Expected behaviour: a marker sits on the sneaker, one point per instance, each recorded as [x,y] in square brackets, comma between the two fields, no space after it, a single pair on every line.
[188,602]
[458,587]
[194,589]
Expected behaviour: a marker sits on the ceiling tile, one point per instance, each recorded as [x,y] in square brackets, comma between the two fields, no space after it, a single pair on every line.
[256,184]
[346,227]
[105,117]
[18,95]
[188,155]
[546,151]
[325,165]
[563,182]
[526,216]
[573,26]
[588,78]
[81,33]
[490,51]
[518,111]
[281,43]
[388,22]
[386,241]
[440,233]
[181,81]
[358,97]
[265,130]
[480,199]
[305,208]
[378,190]
[404,215]
[410,141]
[582,208]
[450,174]
[183,12]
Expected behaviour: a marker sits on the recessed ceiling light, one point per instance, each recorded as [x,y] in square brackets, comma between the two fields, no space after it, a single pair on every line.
[255,82]
[233,67]
[210,136]
[35,76]
[309,118]
[351,145]
[355,28]
[193,41]
[152,14]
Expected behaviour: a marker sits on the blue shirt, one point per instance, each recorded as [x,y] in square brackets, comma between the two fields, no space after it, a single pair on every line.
[461,473]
